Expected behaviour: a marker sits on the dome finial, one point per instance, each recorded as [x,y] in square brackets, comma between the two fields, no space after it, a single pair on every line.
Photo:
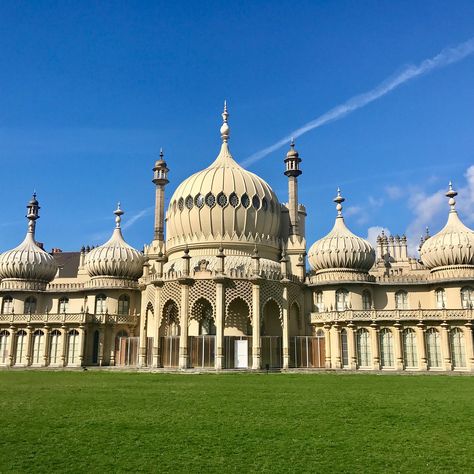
[339,200]
[119,213]
[161,153]
[451,194]
[225,129]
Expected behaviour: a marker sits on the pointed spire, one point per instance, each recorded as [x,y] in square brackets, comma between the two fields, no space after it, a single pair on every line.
[118,213]
[339,200]
[32,213]
[225,129]
[451,194]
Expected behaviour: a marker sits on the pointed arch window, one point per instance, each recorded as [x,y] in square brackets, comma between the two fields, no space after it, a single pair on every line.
[342,299]
[457,346]
[386,348]
[30,305]
[364,353]
[7,305]
[38,347]
[4,346]
[433,348]
[467,297]
[344,349]
[318,301]
[55,347]
[440,298]
[410,350]
[124,304]
[63,305]
[73,347]
[20,356]
[366,300]
[401,299]
[100,304]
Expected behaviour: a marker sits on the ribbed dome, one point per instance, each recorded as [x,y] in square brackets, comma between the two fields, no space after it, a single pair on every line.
[115,258]
[27,266]
[453,245]
[222,202]
[341,249]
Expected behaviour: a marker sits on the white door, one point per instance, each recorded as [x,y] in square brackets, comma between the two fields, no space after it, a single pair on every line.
[241,354]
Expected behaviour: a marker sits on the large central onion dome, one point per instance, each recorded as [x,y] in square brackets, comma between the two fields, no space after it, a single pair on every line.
[27,266]
[115,259]
[453,245]
[223,203]
[341,250]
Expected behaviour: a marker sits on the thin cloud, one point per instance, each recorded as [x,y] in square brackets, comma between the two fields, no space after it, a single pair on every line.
[444,58]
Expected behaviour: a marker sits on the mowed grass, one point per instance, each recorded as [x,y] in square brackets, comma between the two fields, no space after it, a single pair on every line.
[115,421]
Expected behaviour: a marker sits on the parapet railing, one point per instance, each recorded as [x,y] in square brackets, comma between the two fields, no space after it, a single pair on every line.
[65,318]
[394,314]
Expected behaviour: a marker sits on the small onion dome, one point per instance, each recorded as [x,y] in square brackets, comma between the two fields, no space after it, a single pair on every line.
[28,265]
[341,249]
[115,258]
[453,245]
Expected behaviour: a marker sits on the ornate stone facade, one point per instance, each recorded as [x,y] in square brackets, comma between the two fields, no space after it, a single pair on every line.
[223,285]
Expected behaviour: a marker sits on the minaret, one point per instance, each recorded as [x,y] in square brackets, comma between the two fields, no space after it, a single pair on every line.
[160,179]
[292,162]
[32,214]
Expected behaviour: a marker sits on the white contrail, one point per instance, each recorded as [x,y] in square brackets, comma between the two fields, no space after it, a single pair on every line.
[444,58]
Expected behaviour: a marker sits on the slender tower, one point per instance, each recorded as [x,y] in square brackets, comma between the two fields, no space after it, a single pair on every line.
[160,179]
[292,163]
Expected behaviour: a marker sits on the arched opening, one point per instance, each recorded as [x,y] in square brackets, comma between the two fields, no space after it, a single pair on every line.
[123,305]
[433,349]
[457,347]
[7,305]
[318,301]
[38,348]
[55,346]
[20,354]
[100,304]
[410,350]
[237,321]
[295,319]
[169,334]
[364,352]
[30,305]
[202,347]
[4,347]
[272,332]
[73,349]
[238,335]
[387,360]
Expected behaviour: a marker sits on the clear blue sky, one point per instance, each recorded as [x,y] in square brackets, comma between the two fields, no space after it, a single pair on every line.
[89,91]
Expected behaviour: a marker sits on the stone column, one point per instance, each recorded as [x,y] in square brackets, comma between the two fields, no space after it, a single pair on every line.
[184,316]
[398,346]
[47,332]
[29,348]
[220,319]
[327,338]
[420,339]
[374,336]
[64,333]
[82,344]
[142,354]
[156,340]
[351,346]
[469,346]
[286,330]
[256,342]
[336,345]
[445,346]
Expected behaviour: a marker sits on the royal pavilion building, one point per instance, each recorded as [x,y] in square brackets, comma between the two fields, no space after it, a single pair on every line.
[224,284]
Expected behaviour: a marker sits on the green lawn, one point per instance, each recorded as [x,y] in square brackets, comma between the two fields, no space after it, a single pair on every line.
[115,421]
